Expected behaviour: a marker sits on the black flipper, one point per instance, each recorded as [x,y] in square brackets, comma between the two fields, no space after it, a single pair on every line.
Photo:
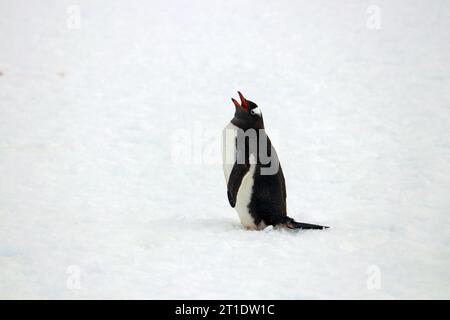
[234,181]
[292,224]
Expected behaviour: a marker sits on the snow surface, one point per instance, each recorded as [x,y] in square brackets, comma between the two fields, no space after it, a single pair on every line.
[110,148]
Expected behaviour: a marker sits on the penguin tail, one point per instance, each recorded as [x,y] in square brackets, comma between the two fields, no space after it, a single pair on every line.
[292,224]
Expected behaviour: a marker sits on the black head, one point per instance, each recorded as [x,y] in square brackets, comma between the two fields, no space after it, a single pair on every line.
[247,114]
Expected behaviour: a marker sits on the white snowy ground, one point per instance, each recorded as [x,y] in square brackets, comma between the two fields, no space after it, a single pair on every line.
[95,121]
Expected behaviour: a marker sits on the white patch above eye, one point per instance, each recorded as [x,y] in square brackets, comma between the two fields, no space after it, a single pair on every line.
[256,111]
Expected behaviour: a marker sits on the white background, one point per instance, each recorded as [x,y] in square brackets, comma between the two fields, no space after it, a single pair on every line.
[110,148]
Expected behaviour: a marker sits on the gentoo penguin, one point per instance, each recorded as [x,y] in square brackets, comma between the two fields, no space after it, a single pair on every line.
[255,182]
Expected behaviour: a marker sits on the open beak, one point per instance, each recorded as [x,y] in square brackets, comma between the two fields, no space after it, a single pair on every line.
[243,104]
[235,103]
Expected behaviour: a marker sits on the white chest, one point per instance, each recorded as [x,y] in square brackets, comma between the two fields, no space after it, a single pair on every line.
[229,156]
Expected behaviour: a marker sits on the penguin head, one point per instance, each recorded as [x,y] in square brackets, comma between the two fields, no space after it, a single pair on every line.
[247,114]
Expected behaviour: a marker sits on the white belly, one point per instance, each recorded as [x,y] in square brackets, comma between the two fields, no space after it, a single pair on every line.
[244,195]
[243,199]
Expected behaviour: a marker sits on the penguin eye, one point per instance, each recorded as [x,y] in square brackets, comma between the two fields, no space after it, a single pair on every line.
[255,111]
